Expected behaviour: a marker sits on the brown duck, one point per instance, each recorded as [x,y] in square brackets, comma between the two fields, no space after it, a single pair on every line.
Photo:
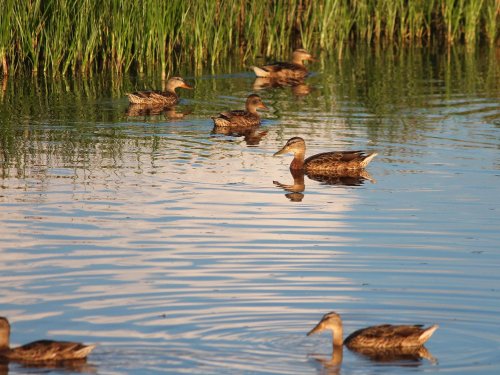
[286,70]
[381,337]
[326,162]
[42,350]
[167,98]
[240,118]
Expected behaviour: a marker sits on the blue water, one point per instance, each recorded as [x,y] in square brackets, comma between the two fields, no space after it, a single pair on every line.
[170,247]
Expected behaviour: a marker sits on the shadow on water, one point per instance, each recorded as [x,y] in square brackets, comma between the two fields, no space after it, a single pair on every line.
[348,178]
[403,357]
[251,135]
[147,111]
[69,367]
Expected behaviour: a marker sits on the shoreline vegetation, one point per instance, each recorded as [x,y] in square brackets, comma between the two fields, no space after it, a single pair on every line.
[54,37]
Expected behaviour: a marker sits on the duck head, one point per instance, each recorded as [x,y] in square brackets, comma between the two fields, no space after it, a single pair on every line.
[296,145]
[253,102]
[176,82]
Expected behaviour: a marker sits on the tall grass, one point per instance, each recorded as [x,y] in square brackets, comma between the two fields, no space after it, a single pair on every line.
[61,36]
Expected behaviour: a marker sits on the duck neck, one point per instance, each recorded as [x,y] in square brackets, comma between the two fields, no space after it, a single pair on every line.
[337,336]
[298,161]
[251,109]
[4,340]
[297,60]
[171,87]
[337,355]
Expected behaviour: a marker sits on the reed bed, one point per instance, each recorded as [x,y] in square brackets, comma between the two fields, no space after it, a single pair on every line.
[62,36]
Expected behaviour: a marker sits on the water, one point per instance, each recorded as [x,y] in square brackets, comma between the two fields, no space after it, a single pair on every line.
[171,247]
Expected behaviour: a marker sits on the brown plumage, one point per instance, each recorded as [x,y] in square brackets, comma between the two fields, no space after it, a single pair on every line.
[295,69]
[333,162]
[379,337]
[167,98]
[42,350]
[248,117]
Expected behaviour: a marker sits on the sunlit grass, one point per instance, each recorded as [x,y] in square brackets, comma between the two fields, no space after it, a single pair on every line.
[62,36]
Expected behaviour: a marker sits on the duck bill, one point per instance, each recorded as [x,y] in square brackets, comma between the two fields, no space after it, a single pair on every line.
[263,107]
[186,86]
[284,150]
[317,329]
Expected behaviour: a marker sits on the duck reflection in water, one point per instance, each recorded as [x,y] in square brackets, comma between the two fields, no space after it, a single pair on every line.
[251,135]
[402,344]
[144,110]
[298,86]
[68,366]
[344,178]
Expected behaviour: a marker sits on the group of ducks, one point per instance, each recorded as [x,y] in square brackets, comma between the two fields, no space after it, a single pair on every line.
[289,72]
[375,339]
[380,339]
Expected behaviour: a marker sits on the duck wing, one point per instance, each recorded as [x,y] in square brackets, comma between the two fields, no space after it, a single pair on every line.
[389,336]
[279,66]
[238,118]
[48,350]
[336,161]
[153,97]
[233,114]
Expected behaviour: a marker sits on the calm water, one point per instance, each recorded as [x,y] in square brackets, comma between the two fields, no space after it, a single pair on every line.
[171,248]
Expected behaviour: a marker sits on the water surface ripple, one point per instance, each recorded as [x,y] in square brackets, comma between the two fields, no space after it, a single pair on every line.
[170,247]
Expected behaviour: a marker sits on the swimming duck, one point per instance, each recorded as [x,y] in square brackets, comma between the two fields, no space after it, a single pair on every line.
[239,118]
[379,337]
[286,70]
[156,97]
[42,350]
[333,162]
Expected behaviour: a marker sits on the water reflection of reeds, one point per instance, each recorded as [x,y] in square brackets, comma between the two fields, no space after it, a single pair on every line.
[53,121]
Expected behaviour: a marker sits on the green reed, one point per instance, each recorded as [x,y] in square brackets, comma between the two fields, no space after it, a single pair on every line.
[62,36]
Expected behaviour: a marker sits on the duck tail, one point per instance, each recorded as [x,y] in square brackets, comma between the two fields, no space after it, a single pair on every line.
[259,72]
[368,159]
[426,335]
[84,351]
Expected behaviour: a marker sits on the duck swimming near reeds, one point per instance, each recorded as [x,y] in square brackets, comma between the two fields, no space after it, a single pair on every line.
[242,118]
[167,98]
[326,162]
[376,338]
[286,70]
[42,350]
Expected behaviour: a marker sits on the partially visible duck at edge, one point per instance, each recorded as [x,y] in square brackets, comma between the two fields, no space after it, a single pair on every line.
[379,337]
[286,70]
[333,162]
[160,98]
[240,118]
[42,350]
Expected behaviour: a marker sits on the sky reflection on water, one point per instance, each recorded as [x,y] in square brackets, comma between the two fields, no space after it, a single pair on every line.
[171,247]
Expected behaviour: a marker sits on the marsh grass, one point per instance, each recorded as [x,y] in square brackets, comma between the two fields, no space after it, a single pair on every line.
[62,36]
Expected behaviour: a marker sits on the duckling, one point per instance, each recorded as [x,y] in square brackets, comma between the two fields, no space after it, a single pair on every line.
[156,97]
[286,70]
[239,118]
[42,350]
[381,337]
[326,162]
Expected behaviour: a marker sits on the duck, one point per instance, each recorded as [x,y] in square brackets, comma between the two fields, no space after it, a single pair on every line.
[41,350]
[326,162]
[239,118]
[286,70]
[375,338]
[167,98]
